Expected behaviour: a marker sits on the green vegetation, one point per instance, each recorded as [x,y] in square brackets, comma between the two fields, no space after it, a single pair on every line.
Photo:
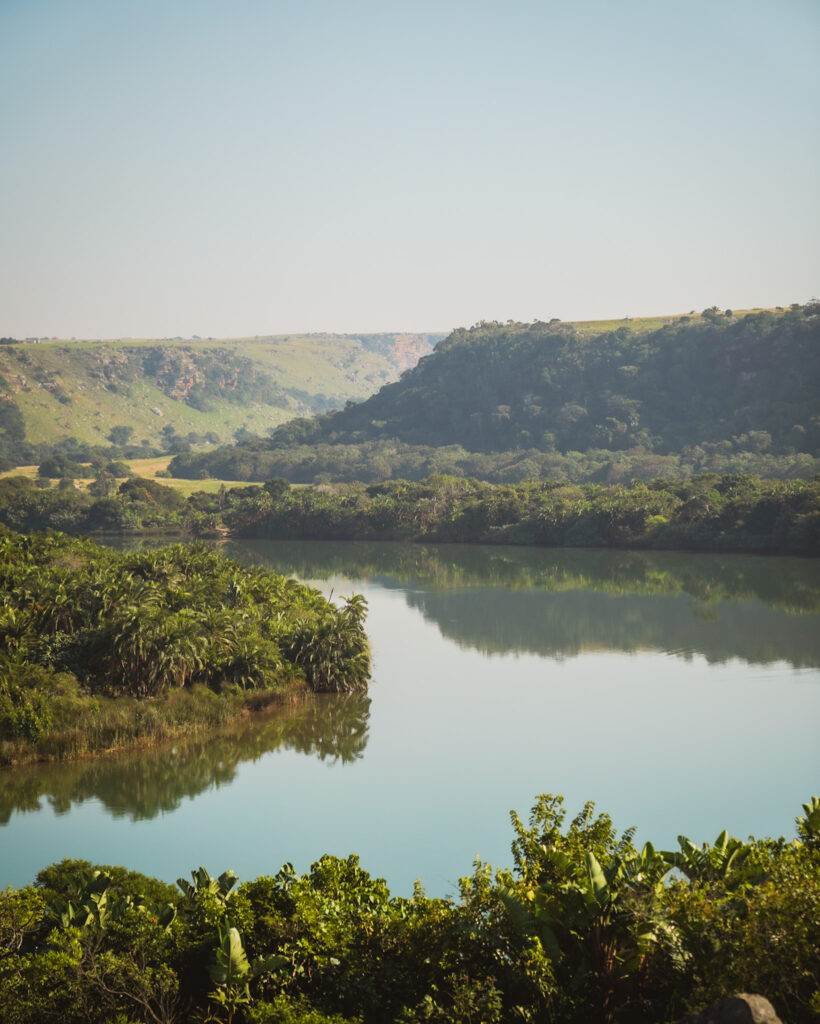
[585,927]
[730,513]
[100,649]
[168,395]
[137,504]
[378,461]
[724,394]
[734,512]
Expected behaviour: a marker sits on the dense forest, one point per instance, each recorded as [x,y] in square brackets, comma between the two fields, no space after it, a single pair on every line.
[584,928]
[100,648]
[712,393]
[730,513]
[733,512]
[376,461]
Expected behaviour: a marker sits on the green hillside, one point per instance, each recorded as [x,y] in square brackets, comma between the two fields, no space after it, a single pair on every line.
[724,392]
[51,390]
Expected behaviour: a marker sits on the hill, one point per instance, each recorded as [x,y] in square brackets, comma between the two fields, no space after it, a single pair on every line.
[717,392]
[52,390]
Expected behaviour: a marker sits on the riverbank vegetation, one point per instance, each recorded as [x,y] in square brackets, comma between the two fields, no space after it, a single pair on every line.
[706,513]
[584,927]
[100,649]
[730,513]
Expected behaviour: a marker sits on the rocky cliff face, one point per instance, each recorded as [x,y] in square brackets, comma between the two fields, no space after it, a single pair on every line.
[409,348]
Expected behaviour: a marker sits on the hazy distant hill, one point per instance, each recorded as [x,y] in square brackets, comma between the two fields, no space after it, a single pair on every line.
[52,390]
[713,389]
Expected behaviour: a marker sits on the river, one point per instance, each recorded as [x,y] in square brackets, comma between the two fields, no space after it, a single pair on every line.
[679,692]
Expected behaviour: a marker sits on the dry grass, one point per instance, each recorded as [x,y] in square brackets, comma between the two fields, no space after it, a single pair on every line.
[29,471]
[149,467]
[146,468]
[646,323]
[102,725]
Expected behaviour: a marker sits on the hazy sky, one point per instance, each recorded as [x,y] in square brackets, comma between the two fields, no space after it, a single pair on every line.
[267,166]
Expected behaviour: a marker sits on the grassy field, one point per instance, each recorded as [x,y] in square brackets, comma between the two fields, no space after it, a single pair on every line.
[642,324]
[146,468]
[94,409]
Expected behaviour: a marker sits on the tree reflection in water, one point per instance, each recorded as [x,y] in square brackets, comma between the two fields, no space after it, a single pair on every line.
[789,584]
[561,602]
[144,783]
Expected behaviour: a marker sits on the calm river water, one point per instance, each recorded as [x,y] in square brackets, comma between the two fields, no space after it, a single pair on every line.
[679,692]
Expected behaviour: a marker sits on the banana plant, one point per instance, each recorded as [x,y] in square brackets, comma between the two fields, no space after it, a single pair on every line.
[599,921]
[208,899]
[722,861]
[88,904]
[232,972]
[93,904]
[219,888]
[808,828]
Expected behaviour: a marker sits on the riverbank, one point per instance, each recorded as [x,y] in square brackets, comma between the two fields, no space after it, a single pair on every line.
[102,649]
[106,726]
[709,513]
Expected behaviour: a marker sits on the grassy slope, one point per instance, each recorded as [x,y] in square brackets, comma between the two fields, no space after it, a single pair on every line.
[323,367]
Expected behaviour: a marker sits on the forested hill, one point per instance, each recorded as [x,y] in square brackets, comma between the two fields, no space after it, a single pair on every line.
[497,388]
[710,387]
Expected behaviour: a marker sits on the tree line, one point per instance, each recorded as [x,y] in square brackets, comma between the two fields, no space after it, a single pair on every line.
[729,513]
[377,461]
[732,512]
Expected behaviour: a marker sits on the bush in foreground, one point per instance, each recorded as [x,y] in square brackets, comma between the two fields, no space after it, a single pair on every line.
[585,927]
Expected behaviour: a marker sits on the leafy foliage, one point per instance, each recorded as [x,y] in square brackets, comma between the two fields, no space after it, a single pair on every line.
[729,513]
[733,512]
[79,623]
[584,928]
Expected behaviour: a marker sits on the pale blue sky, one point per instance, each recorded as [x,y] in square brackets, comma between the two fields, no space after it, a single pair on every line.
[248,167]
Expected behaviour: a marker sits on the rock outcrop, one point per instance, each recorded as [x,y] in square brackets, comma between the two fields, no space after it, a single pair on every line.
[738,1009]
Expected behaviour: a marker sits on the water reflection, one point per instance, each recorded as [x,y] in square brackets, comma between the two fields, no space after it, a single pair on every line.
[148,782]
[560,602]
[565,625]
[456,739]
